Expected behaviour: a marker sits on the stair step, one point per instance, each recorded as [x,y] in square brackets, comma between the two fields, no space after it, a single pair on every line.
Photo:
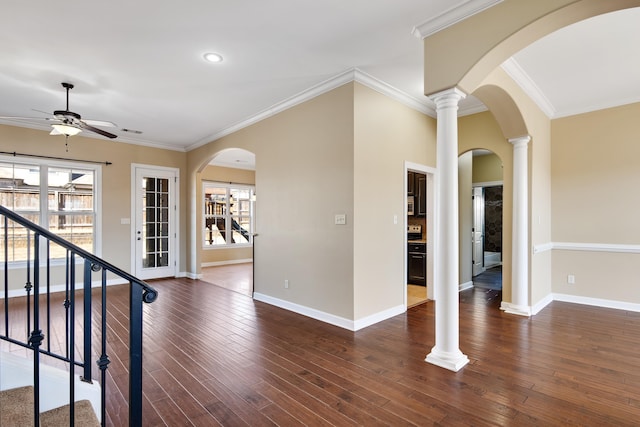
[17,410]
[84,416]
[17,406]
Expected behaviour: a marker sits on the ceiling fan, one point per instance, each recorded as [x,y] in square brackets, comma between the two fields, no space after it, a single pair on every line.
[68,123]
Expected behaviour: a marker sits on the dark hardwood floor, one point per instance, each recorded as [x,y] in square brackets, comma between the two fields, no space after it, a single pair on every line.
[216,357]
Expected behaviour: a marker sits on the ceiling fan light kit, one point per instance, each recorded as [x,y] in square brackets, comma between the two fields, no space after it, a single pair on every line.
[64,129]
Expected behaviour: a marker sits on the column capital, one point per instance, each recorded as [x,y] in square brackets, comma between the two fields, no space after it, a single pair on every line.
[520,140]
[448,97]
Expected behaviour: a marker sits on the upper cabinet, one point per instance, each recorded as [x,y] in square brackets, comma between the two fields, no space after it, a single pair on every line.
[417,187]
[421,194]
[410,183]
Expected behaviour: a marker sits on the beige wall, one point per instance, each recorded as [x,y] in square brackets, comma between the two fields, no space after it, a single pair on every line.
[386,135]
[116,180]
[465,214]
[214,256]
[595,199]
[482,131]
[487,168]
[538,127]
[304,177]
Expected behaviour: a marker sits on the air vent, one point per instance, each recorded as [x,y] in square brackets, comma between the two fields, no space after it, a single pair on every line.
[138,132]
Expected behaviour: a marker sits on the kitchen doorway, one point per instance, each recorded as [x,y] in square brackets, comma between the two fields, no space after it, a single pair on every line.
[419,234]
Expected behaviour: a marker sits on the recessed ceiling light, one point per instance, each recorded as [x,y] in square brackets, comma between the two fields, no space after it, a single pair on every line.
[212,57]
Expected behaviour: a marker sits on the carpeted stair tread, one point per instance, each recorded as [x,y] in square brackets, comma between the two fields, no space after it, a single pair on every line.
[16,410]
[17,407]
[84,416]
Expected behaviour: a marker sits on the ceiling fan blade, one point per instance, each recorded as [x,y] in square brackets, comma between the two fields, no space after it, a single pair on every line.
[100,123]
[83,125]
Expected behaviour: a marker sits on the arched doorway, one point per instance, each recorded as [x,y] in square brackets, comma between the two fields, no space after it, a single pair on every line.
[227,208]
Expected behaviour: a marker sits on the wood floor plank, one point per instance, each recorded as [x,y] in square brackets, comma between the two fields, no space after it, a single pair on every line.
[216,357]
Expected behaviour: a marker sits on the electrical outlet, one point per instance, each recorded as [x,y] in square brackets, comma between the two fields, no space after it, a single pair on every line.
[340,219]
[571,279]
[286,283]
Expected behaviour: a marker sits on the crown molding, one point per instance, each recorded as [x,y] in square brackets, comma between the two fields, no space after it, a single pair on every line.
[425,107]
[312,92]
[351,75]
[451,16]
[522,79]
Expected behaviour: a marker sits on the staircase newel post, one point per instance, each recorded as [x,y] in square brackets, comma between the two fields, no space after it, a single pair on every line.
[135,355]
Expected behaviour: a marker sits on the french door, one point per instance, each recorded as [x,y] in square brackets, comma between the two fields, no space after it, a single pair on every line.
[155,219]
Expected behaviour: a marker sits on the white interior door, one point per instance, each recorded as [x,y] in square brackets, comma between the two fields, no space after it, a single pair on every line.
[478,230]
[155,219]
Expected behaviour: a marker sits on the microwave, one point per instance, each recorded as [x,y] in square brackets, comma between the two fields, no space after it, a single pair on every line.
[410,205]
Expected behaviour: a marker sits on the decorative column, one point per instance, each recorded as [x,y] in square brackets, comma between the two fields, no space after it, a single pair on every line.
[446,352]
[520,241]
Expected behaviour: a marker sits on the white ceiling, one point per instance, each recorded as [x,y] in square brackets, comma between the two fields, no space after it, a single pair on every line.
[139,63]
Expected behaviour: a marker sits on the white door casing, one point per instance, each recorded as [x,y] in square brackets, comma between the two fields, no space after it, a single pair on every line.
[155,218]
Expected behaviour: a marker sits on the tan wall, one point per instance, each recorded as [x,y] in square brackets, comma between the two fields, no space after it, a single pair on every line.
[595,199]
[538,126]
[482,131]
[465,214]
[228,175]
[304,177]
[487,168]
[387,134]
[116,180]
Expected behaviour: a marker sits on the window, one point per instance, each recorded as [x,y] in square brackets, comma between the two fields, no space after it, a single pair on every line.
[59,197]
[227,215]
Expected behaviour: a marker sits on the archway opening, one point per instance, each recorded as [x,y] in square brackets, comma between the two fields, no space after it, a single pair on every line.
[227,211]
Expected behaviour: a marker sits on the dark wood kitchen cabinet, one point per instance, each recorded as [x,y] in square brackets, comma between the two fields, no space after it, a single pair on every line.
[421,194]
[417,264]
[411,179]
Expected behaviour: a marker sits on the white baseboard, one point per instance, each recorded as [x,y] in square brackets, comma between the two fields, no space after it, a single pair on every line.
[598,302]
[193,276]
[378,317]
[465,286]
[351,325]
[229,262]
[542,304]
[576,299]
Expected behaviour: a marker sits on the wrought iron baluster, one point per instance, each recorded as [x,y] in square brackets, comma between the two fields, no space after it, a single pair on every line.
[36,335]
[28,285]
[6,276]
[72,337]
[48,335]
[103,362]
[86,345]
[66,302]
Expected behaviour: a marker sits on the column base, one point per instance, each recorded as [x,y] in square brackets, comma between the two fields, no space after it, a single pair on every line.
[520,310]
[451,361]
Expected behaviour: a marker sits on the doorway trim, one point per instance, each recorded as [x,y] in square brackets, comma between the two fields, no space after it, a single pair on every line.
[174,246]
[431,174]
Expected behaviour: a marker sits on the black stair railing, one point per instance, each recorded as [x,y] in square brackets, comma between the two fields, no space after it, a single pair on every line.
[39,340]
